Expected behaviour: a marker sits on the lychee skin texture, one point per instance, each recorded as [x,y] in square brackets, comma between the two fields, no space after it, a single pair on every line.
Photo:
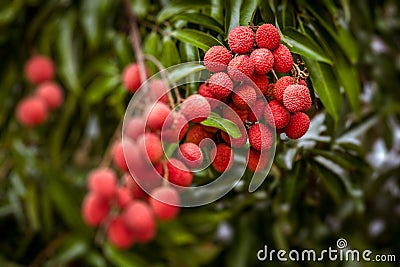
[204,90]
[95,209]
[178,173]
[102,181]
[267,36]
[276,115]
[196,108]
[297,98]
[282,83]
[232,113]
[158,202]
[260,137]
[298,125]
[191,155]
[262,83]
[220,85]
[51,93]
[196,134]
[134,128]
[241,39]
[157,115]
[118,156]
[39,69]
[140,220]
[31,111]
[159,90]
[174,128]
[255,162]
[217,58]
[263,60]
[131,77]
[119,234]
[283,60]
[240,68]
[256,112]
[223,157]
[150,145]
[244,96]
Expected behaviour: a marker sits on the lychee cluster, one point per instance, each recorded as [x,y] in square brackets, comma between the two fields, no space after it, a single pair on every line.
[33,110]
[131,77]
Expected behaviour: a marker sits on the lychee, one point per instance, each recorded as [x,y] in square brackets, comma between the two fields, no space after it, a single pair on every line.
[39,69]
[51,93]
[95,209]
[102,181]
[178,173]
[119,234]
[263,60]
[174,128]
[123,196]
[217,58]
[276,115]
[283,60]
[297,98]
[135,190]
[267,36]
[232,113]
[196,134]
[165,203]
[159,90]
[240,68]
[220,85]
[256,162]
[196,108]
[298,125]
[134,128]
[191,155]
[262,83]
[118,156]
[222,156]
[204,90]
[140,220]
[282,83]
[157,115]
[260,137]
[256,111]
[241,39]
[131,77]
[31,111]
[150,144]
[244,96]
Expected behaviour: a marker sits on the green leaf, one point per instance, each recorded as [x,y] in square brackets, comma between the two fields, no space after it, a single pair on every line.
[175,233]
[177,7]
[169,54]
[151,46]
[190,53]
[214,120]
[141,7]
[32,207]
[330,181]
[302,44]
[10,11]
[326,86]
[179,72]
[232,15]
[123,259]
[248,10]
[197,38]
[217,10]
[100,87]
[200,19]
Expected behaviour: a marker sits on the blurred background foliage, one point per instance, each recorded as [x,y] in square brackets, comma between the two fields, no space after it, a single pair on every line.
[340,181]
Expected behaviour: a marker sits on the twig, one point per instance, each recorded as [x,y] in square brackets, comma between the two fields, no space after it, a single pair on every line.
[275,76]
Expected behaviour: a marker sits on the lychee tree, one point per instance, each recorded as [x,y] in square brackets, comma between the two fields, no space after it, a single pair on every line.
[317,76]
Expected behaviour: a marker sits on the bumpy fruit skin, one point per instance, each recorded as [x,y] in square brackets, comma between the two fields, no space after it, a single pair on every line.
[158,202]
[256,162]
[204,90]
[102,181]
[260,137]
[174,128]
[283,60]
[178,173]
[241,39]
[150,144]
[263,60]
[131,77]
[119,234]
[95,209]
[223,157]
[217,58]
[297,98]
[276,115]
[51,93]
[31,111]
[196,134]
[267,36]
[235,142]
[281,84]
[134,128]
[232,113]
[39,69]
[159,90]
[262,83]
[240,68]
[140,220]
[220,85]
[118,156]
[191,155]
[244,96]
[157,115]
[256,112]
[298,125]
[196,108]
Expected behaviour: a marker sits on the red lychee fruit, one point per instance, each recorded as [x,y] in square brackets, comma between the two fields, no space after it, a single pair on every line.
[51,93]
[217,58]
[150,144]
[178,173]
[282,83]
[134,128]
[263,60]
[131,77]
[283,60]
[235,142]
[39,69]
[262,83]
[204,90]
[159,90]
[267,36]
[118,156]
[241,39]
[31,111]
[191,155]
[256,111]
[260,137]
[119,234]
[135,190]
[160,197]
[196,108]
[174,128]
[95,209]
[102,181]
[276,115]
[297,98]
[123,196]
[220,85]
[244,96]
[232,113]
[196,134]
[140,220]
[255,162]
[223,157]
[298,125]
[157,115]
[240,68]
